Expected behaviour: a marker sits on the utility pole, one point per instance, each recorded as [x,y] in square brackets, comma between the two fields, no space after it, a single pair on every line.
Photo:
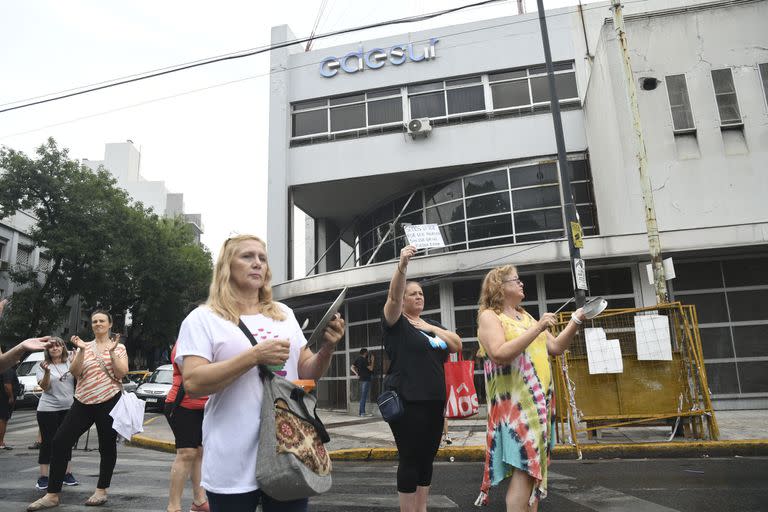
[654,242]
[573,226]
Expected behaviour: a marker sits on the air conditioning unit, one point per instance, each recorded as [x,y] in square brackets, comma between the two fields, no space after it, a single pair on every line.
[419,127]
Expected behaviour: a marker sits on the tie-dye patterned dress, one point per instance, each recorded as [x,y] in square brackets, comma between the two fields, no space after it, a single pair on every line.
[521,406]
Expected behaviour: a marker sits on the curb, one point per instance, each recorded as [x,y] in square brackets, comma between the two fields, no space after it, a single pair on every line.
[677,449]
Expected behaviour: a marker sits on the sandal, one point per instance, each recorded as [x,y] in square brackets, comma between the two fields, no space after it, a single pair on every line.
[96,501]
[42,504]
[203,507]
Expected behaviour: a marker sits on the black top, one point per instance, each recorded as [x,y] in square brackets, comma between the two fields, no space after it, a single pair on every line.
[6,377]
[416,367]
[361,365]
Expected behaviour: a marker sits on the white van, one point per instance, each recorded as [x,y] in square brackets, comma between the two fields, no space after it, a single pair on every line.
[26,372]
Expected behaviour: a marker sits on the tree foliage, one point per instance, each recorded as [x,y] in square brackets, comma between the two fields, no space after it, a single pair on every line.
[104,250]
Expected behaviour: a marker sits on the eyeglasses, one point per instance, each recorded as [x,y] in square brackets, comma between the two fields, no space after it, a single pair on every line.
[513,280]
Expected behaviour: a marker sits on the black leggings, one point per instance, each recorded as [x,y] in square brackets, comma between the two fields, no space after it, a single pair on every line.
[49,422]
[417,435]
[77,422]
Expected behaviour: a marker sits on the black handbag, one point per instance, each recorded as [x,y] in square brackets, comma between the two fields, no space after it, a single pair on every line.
[391,406]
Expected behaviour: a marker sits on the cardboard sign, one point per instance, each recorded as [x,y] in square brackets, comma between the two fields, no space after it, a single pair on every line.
[424,236]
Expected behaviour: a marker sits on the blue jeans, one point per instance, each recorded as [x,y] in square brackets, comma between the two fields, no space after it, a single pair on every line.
[247,502]
[365,386]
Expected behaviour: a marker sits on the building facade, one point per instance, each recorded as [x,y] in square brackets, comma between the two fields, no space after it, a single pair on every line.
[486,172]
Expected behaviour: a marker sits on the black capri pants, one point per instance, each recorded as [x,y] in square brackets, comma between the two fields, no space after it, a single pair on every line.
[49,422]
[186,424]
[77,422]
[417,435]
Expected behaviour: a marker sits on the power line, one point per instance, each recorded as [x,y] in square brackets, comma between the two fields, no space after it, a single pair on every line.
[247,53]
[282,70]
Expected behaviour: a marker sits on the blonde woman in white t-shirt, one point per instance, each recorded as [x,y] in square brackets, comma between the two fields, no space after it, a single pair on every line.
[217,359]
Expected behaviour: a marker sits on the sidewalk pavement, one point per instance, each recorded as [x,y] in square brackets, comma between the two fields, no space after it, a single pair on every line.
[742,433]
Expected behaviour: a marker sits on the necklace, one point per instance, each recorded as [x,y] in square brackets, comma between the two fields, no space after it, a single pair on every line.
[62,376]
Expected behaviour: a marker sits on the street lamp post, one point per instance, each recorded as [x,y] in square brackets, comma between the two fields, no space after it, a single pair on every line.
[573,226]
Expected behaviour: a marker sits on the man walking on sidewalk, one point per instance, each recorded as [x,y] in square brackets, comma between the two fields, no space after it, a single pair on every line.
[363,368]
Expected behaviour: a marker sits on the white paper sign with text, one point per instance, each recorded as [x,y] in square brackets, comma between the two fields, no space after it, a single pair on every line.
[424,236]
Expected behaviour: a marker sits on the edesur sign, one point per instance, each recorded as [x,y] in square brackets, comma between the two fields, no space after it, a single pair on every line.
[376,58]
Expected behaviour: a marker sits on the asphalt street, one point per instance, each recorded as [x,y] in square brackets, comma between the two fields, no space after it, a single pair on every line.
[141,481]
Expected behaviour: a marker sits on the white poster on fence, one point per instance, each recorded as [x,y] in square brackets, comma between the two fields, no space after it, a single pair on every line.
[653,340]
[603,355]
[424,236]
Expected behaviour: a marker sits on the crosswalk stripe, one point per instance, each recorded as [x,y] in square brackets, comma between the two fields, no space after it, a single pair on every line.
[22,505]
[602,499]
[436,501]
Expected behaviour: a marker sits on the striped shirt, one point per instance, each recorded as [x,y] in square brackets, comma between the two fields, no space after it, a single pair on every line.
[93,385]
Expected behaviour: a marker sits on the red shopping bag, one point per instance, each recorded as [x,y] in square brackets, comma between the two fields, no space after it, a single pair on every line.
[461,397]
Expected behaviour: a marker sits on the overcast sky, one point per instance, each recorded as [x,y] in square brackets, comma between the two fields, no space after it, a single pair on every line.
[209,144]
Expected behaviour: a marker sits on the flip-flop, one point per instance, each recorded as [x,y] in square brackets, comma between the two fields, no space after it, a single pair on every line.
[96,501]
[41,504]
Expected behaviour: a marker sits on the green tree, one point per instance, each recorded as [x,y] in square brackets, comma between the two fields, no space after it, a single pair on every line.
[103,249]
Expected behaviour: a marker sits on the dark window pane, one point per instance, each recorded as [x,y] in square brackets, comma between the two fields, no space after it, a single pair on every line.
[609,281]
[545,235]
[716,342]
[445,213]
[746,272]
[383,92]
[487,182]
[507,75]
[466,293]
[494,242]
[443,192]
[463,81]
[710,307]
[428,105]
[536,197]
[538,220]
[347,118]
[465,99]
[529,285]
[432,316]
[565,84]
[310,104]
[533,175]
[487,205]
[694,276]
[432,298]
[510,94]
[532,309]
[343,100]
[725,95]
[466,323]
[751,340]
[489,226]
[385,111]
[414,204]
[410,218]
[558,286]
[306,123]
[722,378]
[624,303]
[748,305]
[453,233]
[425,87]
[586,215]
[557,66]
[332,394]
[582,193]
[754,376]
[578,170]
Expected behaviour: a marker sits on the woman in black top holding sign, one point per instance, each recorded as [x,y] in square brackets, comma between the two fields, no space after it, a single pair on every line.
[417,349]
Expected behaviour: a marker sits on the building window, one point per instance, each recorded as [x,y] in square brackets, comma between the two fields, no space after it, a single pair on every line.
[679,103]
[764,78]
[44,264]
[725,95]
[23,256]
[501,206]
[515,92]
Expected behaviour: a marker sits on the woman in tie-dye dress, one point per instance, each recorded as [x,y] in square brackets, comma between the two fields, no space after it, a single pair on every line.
[515,349]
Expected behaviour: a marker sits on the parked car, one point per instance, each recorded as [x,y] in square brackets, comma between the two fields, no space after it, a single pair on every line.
[138,376]
[27,376]
[129,386]
[155,389]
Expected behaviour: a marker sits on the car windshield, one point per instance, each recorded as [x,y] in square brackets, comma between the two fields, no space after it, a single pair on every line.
[161,377]
[27,368]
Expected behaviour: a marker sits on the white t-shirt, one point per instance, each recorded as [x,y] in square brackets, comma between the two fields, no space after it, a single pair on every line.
[61,391]
[231,422]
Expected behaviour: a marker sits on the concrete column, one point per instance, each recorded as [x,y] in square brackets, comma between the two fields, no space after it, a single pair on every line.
[326,233]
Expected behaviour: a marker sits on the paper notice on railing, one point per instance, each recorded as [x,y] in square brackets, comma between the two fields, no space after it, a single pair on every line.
[604,356]
[653,340]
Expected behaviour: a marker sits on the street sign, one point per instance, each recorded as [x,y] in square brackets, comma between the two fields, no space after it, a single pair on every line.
[580,274]
[578,240]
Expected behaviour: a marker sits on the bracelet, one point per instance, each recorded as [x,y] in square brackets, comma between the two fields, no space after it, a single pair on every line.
[576,320]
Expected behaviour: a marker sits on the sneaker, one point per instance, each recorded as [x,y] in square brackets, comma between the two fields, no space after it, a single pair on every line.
[366,415]
[5,447]
[34,446]
[42,483]
[69,479]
